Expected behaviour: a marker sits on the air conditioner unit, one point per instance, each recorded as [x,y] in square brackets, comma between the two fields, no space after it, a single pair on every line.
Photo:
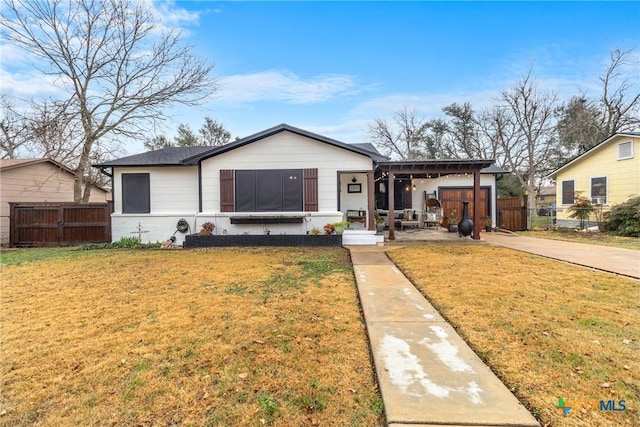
[597,200]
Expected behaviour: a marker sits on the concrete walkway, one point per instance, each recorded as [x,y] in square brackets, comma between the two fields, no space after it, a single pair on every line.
[428,375]
[625,262]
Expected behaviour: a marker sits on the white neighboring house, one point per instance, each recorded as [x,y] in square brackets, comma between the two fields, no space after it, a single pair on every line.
[283,180]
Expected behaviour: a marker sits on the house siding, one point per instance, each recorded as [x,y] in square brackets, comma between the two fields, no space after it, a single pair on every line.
[173,193]
[174,190]
[284,150]
[171,189]
[623,176]
[36,183]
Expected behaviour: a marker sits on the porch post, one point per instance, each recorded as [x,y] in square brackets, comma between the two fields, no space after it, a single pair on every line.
[390,192]
[476,205]
[371,200]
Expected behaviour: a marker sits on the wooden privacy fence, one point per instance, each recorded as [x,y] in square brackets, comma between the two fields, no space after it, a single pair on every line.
[512,213]
[59,224]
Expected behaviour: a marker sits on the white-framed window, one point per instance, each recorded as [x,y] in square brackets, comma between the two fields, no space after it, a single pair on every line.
[568,192]
[599,190]
[625,150]
[136,193]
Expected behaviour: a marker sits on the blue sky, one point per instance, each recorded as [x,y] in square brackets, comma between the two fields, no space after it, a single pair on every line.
[333,67]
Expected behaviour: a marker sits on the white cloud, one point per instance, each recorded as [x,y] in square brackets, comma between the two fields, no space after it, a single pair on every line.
[29,83]
[170,15]
[350,131]
[283,86]
[10,54]
[428,105]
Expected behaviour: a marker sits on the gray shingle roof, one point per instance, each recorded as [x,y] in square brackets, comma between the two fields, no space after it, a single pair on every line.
[371,149]
[193,155]
[163,157]
[493,169]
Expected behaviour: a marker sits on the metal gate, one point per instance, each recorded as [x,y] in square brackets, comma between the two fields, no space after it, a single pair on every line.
[512,213]
[59,224]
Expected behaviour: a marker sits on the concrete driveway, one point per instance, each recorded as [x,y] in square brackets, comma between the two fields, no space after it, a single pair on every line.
[625,262]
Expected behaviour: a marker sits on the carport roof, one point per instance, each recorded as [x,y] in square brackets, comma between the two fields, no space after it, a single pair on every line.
[425,167]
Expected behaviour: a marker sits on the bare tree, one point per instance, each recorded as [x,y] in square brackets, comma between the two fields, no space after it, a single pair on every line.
[403,139]
[14,129]
[528,116]
[620,100]
[496,131]
[119,67]
[584,122]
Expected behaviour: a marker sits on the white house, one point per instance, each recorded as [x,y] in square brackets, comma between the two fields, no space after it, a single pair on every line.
[283,180]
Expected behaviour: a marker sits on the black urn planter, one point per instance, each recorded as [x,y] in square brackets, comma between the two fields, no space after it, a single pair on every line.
[465,226]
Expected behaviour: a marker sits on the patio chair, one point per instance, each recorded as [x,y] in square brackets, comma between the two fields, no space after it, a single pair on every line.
[433,213]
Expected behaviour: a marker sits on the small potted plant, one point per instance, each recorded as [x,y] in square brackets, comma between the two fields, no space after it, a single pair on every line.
[452,221]
[488,223]
[206,229]
[329,228]
[379,223]
[340,226]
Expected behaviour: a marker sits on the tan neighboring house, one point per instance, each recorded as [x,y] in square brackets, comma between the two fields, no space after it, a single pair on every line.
[36,181]
[608,174]
[546,197]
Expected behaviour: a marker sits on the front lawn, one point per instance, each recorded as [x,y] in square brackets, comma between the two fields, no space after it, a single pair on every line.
[549,330]
[604,239]
[195,338]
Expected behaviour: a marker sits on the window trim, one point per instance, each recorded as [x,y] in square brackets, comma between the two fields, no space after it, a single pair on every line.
[630,142]
[562,192]
[123,178]
[606,189]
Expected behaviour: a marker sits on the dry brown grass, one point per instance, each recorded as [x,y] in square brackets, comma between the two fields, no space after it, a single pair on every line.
[211,337]
[603,239]
[548,329]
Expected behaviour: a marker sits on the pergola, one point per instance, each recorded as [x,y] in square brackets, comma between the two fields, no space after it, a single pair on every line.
[428,169]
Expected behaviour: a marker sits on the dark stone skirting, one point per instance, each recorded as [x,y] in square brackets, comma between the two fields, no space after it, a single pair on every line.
[193,241]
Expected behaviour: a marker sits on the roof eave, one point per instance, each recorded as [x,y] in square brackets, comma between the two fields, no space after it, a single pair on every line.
[270,132]
[590,152]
